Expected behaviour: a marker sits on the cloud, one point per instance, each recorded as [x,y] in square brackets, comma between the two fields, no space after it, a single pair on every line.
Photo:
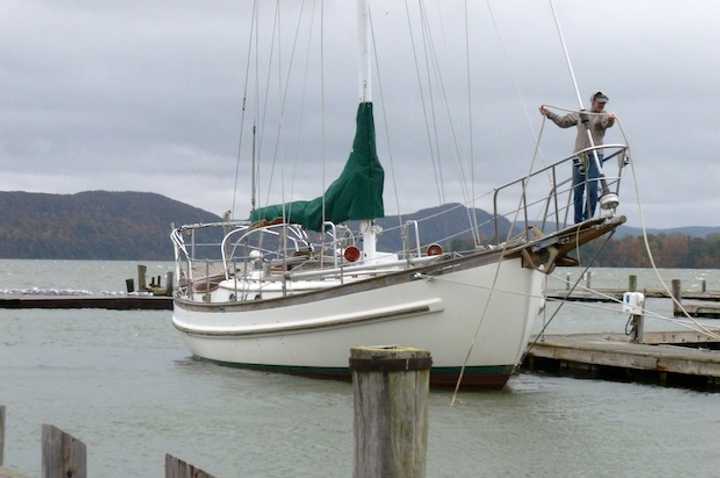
[148,96]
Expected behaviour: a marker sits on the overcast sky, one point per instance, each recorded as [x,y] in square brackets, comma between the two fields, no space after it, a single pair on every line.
[147,95]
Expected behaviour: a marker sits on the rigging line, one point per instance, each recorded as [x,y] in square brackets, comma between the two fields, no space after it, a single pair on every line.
[299,139]
[267,93]
[244,108]
[487,221]
[572,289]
[322,127]
[470,122]
[568,61]
[431,97]
[614,310]
[445,211]
[645,310]
[438,183]
[645,238]
[443,92]
[257,100]
[284,101]
[570,110]
[497,268]
[386,128]
[513,79]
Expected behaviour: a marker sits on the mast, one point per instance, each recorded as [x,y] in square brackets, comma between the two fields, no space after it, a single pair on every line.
[368,229]
[608,200]
[253,175]
[364,68]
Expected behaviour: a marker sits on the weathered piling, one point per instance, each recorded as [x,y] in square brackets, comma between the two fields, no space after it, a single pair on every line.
[638,329]
[141,273]
[63,456]
[588,279]
[176,468]
[703,285]
[169,283]
[567,281]
[632,283]
[677,294]
[390,395]
[2,434]
[130,285]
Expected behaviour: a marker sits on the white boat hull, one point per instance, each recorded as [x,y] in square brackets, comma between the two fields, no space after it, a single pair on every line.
[439,314]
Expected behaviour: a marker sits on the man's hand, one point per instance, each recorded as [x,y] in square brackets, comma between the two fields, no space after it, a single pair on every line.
[543,110]
[612,116]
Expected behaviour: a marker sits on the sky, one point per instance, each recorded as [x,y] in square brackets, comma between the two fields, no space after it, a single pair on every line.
[148,96]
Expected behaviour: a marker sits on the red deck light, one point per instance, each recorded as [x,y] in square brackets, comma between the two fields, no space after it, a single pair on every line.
[351,254]
[434,250]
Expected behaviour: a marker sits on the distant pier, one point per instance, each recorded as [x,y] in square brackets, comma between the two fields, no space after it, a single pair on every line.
[109,302]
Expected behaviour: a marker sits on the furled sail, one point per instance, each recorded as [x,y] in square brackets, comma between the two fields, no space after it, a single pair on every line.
[356,194]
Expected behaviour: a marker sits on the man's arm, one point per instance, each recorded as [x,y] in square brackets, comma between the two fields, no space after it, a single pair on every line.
[608,120]
[565,121]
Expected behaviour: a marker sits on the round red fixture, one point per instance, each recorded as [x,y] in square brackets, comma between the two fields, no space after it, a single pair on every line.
[434,250]
[351,253]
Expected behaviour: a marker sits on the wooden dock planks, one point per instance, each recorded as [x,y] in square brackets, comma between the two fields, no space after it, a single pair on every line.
[139,302]
[662,353]
[617,294]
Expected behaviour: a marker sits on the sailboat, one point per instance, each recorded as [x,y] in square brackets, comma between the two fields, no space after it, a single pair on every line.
[296,286]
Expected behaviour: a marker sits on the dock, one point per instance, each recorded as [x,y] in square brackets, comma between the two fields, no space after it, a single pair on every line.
[617,294]
[109,302]
[688,359]
[705,311]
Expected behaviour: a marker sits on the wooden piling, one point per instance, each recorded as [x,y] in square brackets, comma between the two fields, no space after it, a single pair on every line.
[2,434]
[677,294]
[169,283]
[588,279]
[638,331]
[703,285]
[567,281]
[130,285]
[390,395]
[63,456]
[632,283]
[176,468]
[141,272]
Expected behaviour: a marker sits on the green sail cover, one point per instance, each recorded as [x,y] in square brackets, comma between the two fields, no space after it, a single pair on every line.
[356,194]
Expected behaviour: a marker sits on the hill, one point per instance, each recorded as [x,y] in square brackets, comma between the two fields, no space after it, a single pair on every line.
[437,223]
[91,225]
[135,226]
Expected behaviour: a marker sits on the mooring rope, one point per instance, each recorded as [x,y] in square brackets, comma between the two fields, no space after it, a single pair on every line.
[416,62]
[497,268]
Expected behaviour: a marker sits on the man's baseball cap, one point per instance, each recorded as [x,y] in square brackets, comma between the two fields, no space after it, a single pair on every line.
[601,97]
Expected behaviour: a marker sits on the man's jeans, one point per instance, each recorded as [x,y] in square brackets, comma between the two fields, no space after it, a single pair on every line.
[582,181]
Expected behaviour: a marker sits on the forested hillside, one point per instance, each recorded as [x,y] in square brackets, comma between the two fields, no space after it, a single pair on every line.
[91,225]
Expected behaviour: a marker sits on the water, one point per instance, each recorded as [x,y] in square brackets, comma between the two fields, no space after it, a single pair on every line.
[123,382]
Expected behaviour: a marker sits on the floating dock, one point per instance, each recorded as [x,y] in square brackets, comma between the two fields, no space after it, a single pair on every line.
[110,302]
[617,295]
[667,358]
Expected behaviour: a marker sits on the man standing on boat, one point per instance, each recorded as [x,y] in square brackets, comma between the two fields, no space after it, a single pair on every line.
[585,170]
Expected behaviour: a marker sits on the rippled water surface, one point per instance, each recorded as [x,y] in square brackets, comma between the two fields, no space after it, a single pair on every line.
[124,383]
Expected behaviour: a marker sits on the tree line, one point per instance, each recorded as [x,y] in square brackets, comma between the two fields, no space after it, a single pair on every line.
[669,251]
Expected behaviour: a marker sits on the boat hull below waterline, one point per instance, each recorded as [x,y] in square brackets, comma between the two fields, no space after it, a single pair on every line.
[438,312]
